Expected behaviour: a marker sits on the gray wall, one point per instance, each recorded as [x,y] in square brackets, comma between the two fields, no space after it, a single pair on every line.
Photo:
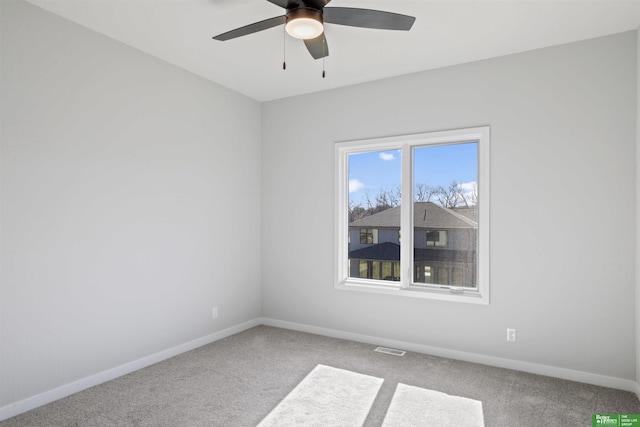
[130,204]
[562,205]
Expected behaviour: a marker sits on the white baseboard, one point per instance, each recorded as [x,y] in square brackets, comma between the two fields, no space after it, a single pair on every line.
[533,368]
[33,402]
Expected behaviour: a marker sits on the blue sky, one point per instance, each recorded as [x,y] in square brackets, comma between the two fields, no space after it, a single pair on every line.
[433,165]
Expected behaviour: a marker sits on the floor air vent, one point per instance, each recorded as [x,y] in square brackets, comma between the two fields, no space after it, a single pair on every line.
[392,351]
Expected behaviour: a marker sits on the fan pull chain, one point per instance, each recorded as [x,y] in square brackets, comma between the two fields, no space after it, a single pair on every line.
[324,54]
[284,48]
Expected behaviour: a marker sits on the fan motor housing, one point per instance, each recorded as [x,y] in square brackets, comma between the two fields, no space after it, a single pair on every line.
[305,12]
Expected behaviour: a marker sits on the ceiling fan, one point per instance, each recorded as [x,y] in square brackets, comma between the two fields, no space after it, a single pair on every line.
[304,19]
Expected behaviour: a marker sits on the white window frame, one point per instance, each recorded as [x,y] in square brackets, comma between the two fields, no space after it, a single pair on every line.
[406,287]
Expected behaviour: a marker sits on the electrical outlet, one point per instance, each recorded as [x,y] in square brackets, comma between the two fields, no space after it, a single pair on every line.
[511,335]
[214,312]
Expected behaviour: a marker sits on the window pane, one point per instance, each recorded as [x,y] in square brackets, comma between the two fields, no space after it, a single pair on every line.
[374,212]
[445,213]
[428,274]
[375,274]
[456,276]
[443,276]
[386,270]
[437,238]
[363,269]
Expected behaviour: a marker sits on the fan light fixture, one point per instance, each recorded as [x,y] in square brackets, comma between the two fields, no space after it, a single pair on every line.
[304,19]
[305,24]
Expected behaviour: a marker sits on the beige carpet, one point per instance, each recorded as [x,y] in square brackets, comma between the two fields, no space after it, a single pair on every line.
[237,381]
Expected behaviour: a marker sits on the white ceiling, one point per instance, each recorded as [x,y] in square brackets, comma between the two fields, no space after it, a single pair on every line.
[446,32]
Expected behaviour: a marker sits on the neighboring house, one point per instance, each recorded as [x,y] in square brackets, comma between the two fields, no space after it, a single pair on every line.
[445,245]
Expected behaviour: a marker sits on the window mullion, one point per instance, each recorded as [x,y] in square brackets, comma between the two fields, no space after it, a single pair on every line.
[406,245]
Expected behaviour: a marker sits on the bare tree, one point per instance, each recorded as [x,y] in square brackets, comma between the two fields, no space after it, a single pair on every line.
[367,200]
[472,196]
[395,196]
[462,198]
[451,196]
[357,212]
[385,199]
[456,195]
[424,192]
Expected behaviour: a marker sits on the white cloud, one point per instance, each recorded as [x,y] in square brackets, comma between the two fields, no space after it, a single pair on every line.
[468,186]
[386,156]
[469,191]
[355,185]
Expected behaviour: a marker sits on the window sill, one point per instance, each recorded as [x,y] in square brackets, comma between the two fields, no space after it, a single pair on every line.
[454,295]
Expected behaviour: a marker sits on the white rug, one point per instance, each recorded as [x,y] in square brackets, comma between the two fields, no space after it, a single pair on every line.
[415,406]
[326,397]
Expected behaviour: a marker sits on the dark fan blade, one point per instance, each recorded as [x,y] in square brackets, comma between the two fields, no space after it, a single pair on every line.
[284,3]
[281,3]
[318,47]
[252,28]
[368,18]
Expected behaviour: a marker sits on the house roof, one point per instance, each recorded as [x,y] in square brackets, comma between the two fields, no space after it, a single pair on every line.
[384,251]
[391,252]
[425,215]
[471,213]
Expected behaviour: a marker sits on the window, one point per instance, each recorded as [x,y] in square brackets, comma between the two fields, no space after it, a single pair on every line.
[369,236]
[380,270]
[431,188]
[437,238]
[441,274]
